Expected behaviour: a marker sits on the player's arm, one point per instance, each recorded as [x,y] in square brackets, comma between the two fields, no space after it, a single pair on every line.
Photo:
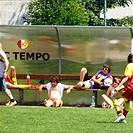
[124,80]
[6,62]
[108,91]
[96,81]
[68,88]
[40,88]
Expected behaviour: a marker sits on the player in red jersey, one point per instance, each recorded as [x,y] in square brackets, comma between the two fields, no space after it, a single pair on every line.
[126,92]
[11,81]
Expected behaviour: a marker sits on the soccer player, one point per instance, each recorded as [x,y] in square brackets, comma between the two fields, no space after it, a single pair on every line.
[11,81]
[97,81]
[111,90]
[126,92]
[4,64]
[55,92]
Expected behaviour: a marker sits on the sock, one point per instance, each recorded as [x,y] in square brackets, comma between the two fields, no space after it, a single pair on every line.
[24,86]
[116,105]
[125,112]
[14,81]
[12,100]
[119,113]
[126,108]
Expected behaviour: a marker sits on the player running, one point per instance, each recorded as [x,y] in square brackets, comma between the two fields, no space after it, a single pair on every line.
[126,92]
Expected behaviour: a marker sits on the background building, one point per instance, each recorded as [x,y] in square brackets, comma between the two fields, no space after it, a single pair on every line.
[119,12]
[13,12]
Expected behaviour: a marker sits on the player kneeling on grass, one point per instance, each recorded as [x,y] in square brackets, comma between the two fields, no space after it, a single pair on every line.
[110,92]
[55,92]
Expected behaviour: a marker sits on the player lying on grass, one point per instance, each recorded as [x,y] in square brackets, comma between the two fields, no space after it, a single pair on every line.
[126,92]
[11,80]
[55,92]
[111,90]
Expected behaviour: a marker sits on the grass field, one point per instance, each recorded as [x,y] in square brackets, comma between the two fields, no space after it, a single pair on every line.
[31,119]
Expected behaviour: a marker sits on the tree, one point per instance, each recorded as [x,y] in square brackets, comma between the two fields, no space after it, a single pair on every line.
[126,21]
[95,7]
[57,12]
[73,12]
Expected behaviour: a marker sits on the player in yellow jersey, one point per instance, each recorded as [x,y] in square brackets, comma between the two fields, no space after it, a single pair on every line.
[126,92]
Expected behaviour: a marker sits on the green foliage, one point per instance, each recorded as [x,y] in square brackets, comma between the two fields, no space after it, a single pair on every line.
[95,7]
[57,12]
[74,12]
[61,120]
[98,5]
[127,21]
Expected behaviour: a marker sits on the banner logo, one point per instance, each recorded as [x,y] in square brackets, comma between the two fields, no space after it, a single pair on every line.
[22,44]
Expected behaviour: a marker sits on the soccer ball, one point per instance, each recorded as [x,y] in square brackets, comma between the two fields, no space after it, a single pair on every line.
[104,105]
[108,82]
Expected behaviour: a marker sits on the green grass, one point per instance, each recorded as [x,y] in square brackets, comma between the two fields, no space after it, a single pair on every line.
[31,119]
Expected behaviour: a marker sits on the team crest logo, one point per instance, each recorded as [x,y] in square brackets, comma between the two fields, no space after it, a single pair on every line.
[22,44]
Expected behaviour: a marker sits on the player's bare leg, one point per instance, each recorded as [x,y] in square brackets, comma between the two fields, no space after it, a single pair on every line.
[82,74]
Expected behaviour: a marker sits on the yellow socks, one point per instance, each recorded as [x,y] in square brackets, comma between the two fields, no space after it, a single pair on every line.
[14,81]
[116,105]
[24,86]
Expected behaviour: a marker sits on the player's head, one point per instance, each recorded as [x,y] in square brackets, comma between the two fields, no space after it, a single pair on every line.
[54,80]
[106,68]
[116,82]
[130,58]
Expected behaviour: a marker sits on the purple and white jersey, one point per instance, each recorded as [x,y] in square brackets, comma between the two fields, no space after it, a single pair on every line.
[101,77]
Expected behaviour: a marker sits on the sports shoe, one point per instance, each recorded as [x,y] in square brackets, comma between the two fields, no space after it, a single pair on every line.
[35,86]
[13,103]
[122,121]
[119,118]
[8,103]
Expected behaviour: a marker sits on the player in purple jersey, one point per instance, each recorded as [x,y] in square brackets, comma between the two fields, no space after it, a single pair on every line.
[102,79]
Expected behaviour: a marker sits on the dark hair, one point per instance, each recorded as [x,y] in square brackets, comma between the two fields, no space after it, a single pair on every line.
[54,78]
[130,58]
[107,66]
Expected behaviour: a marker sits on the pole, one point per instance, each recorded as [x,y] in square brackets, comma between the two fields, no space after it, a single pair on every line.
[105,9]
